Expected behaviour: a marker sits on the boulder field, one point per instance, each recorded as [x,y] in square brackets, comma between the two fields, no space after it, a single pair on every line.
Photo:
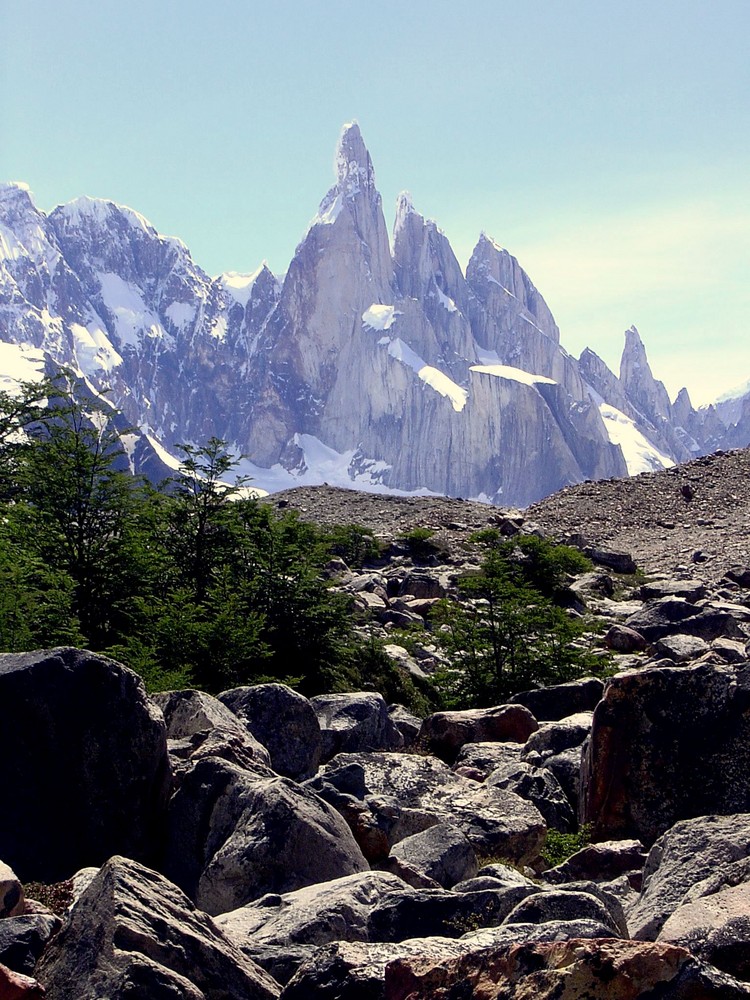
[204,855]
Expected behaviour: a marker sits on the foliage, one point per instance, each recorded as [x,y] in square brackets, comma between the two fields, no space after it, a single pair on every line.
[198,583]
[507,634]
[559,846]
[532,560]
[57,896]
[421,543]
[354,543]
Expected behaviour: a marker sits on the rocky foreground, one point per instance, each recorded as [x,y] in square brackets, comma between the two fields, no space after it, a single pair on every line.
[263,845]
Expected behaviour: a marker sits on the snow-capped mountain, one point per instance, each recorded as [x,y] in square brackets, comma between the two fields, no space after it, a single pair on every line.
[374,362]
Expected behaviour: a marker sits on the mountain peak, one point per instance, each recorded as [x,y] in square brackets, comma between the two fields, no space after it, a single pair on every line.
[353,164]
[404,207]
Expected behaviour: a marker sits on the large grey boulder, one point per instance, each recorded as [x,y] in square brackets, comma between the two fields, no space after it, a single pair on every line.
[684,856]
[543,907]
[354,722]
[441,852]
[133,934]
[441,913]
[667,615]
[11,892]
[667,743]
[446,732]
[486,757]
[556,737]
[23,938]
[558,701]
[681,648]
[235,835]
[357,971]
[600,862]
[388,796]
[284,721]
[279,932]
[690,590]
[85,772]
[539,786]
[206,728]
[566,767]
[715,928]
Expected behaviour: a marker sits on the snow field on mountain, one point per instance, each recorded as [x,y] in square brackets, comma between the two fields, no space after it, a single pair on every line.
[640,455]
[19,363]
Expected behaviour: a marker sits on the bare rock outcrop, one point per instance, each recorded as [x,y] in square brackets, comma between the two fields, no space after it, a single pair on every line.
[89,762]
[131,933]
[564,970]
[667,743]
[235,835]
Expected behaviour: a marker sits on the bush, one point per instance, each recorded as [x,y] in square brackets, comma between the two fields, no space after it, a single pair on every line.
[507,634]
[421,545]
[353,543]
[558,846]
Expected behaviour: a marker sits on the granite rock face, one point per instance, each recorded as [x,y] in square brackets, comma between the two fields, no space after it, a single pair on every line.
[89,762]
[235,835]
[284,722]
[667,743]
[563,970]
[132,933]
[386,797]
[687,854]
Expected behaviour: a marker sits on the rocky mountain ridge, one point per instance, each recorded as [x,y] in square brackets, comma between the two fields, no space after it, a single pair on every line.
[370,365]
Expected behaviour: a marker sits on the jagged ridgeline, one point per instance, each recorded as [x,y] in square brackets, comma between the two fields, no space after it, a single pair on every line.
[372,362]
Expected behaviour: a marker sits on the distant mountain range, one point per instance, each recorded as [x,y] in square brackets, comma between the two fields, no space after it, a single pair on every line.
[373,362]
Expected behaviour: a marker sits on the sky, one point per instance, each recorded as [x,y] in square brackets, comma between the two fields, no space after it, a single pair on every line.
[607,146]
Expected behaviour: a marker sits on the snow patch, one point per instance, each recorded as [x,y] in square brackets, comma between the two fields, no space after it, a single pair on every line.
[10,246]
[446,301]
[330,209]
[93,350]
[171,461]
[19,363]
[431,376]
[131,315]
[404,208]
[513,374]
[733,394]
[379,317]
[180,313]
[322,464]
[639,454]
[100,210]
[220,327]
[239,286]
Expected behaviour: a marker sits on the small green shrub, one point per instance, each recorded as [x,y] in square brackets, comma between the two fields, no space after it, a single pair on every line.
[560,846]
[354,543]
[421,543]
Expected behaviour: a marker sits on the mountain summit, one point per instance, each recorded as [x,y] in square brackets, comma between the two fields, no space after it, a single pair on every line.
[385,368]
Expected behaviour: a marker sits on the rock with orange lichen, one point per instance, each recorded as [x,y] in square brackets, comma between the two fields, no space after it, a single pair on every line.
[576,969]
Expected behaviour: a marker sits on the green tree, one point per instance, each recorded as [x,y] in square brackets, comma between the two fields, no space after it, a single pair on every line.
[83,507]
[200,526]
[506,635]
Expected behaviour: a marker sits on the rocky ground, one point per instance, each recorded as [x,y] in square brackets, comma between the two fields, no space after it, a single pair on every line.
[663,518]
[263,845]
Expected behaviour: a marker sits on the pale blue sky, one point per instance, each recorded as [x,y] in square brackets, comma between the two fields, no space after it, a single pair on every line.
[606,145]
